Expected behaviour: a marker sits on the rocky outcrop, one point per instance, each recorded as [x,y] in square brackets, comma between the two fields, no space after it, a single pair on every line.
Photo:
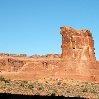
[46,56]
[12,55]
[77,44]
[10,64]
[78,56]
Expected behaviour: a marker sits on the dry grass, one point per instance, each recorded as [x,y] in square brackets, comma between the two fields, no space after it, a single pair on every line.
[49,87]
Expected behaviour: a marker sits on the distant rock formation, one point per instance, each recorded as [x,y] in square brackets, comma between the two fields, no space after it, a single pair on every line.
[77,60]
[10,64]
[13,55]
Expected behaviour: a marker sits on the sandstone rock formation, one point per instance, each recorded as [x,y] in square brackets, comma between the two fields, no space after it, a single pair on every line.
[77,60]
[77,44]
[78,56]
[10,64]
[13,55]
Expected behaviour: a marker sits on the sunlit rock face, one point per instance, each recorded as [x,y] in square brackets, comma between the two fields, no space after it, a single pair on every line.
[77,44]
[78,56]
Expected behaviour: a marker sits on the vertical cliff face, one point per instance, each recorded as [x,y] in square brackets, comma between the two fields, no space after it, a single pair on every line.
[77,44]
[78,57]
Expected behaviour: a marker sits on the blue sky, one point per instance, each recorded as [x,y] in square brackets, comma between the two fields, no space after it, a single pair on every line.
[33,26]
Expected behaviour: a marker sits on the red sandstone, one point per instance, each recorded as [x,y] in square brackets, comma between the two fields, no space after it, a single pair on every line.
[77,60]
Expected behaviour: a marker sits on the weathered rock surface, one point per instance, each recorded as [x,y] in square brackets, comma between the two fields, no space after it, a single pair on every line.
[77,44]
[10,64]
[77,60]
[78,56]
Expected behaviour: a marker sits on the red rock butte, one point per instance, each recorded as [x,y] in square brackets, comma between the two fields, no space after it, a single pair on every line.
[77,61]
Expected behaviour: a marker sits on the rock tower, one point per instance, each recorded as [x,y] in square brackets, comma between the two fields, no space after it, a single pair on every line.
[78,56]
[77,44]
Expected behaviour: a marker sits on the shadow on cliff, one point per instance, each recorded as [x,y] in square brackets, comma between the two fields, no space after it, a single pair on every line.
[16,96]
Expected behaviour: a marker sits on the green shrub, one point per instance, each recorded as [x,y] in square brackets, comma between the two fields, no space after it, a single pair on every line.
[30,86]
[59,83]
[25,82]
[7,81]
[3,79]
[85,90]
[22,83]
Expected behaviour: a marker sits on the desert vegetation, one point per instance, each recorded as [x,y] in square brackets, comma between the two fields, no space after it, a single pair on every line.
[55,87]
